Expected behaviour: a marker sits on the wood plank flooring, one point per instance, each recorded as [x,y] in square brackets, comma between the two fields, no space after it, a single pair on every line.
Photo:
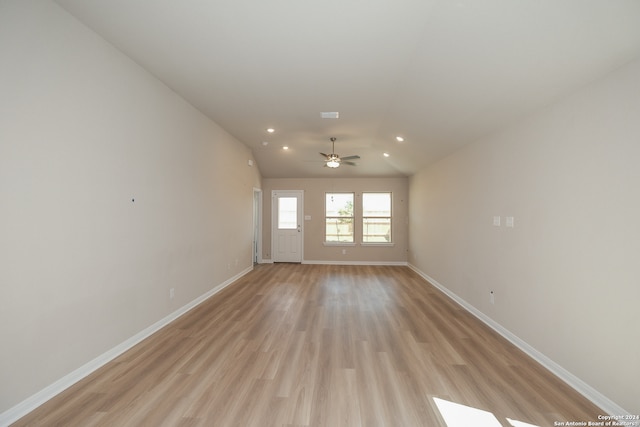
[317,345]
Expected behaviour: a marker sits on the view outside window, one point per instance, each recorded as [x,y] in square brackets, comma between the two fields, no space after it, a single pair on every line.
[339,217]
[376,217]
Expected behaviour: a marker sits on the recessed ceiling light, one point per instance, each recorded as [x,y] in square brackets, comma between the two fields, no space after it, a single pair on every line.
[271,130]
[265,143]
[285,148]
[399,139]
[385,154]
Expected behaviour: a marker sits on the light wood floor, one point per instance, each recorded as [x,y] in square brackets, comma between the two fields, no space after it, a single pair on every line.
[314,345]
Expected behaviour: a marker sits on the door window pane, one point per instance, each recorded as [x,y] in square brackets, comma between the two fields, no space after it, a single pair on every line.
[287,213]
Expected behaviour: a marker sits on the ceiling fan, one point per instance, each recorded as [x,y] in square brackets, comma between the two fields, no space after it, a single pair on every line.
[334,160]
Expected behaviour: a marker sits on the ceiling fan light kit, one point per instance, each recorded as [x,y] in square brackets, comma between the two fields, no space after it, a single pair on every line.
[333,163]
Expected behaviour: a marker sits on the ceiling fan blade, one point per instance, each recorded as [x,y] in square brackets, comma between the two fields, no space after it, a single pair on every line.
[350,158]
[325,155]
[348,163]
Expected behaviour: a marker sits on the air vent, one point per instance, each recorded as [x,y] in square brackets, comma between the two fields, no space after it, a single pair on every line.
[330,115]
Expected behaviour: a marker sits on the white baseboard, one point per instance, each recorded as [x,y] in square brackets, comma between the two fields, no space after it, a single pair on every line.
[576,383]
[391,263]
[23,408]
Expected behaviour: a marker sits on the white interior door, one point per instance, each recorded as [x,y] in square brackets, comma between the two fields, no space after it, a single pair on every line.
[286,234]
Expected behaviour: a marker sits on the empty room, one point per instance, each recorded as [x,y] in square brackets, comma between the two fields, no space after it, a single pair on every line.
[339,213]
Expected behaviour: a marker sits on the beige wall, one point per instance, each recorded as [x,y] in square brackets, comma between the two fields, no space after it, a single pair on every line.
[314,196]
[566,276]
[83,131]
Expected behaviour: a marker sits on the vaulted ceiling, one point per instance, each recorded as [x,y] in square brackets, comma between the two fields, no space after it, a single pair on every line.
[438,73]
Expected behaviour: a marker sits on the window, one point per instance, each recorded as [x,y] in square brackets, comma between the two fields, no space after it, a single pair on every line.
[287,213]
[338,210]
[376,217]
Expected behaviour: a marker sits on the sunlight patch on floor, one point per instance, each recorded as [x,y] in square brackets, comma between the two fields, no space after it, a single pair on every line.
[515,423]
[458,415]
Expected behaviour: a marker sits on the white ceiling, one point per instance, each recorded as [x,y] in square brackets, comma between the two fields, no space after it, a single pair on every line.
[440,73]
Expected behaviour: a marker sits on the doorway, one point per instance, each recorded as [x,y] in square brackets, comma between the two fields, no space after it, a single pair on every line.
[286,226]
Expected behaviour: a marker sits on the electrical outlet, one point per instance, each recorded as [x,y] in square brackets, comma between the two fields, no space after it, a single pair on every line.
[492,297]
[344,252]
[172,293]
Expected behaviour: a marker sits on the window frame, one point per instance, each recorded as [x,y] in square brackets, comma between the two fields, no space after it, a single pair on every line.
[352,218]
[390,218]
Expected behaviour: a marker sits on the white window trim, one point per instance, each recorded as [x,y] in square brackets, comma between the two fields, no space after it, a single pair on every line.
[391,243]
[353,218]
